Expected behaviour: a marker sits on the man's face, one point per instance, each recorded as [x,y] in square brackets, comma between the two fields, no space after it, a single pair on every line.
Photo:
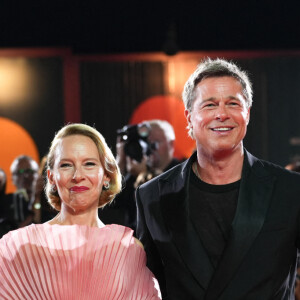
[25,174]
[163,154]
[219,116]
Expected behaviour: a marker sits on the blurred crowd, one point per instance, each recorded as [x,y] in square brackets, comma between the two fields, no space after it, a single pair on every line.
[143,151]
[28,203]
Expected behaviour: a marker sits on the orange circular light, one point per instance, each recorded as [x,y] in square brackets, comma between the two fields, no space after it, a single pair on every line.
[15,141]
[171,109]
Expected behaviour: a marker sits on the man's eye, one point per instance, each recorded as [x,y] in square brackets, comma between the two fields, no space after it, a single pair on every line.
[209,105]
[233,103]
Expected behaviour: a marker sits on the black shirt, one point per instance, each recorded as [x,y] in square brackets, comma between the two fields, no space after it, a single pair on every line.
[212,209]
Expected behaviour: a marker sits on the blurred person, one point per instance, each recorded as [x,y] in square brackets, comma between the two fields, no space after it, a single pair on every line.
[75,255]
[3,181]
[159,158]
[19,205]
[162,135]
[295,167]
[223,225]
[4,226]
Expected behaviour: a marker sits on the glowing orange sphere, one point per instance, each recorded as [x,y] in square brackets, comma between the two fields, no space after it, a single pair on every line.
[171,109]
[15,141]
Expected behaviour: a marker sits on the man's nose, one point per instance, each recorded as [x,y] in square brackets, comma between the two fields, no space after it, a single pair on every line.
[222,113]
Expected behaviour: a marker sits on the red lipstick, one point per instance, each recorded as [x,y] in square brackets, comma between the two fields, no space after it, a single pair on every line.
[78,188]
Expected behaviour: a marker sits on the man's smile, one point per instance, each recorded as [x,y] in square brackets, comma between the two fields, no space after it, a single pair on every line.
[222,129]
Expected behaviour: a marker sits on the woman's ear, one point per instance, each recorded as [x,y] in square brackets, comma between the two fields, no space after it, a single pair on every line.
[106,178]
[50,176]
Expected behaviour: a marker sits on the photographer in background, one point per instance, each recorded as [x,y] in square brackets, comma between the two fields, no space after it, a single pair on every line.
[163,136]
[143,151]
[17,208]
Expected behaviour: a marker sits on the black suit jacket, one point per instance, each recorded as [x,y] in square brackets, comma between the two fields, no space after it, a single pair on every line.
[259,260]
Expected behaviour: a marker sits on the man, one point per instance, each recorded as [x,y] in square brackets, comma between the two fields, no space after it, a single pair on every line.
[222,225]
[162,138]
[24,172]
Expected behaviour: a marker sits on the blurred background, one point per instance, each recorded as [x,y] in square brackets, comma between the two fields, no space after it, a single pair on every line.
[112,63]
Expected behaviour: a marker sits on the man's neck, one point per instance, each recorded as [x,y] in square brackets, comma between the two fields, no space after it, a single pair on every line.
[220,168]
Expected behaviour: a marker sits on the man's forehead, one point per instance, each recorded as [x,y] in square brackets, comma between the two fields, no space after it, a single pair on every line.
[26,163]
[223,81]
[219,87]
[156,132]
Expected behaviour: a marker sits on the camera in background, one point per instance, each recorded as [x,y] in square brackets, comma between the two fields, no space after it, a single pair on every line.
[136,143]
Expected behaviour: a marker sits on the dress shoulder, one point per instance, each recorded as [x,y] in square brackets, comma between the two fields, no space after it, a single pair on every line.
[74,262]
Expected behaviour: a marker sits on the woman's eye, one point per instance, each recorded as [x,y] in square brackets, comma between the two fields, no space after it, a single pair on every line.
[65,165]
[90,163]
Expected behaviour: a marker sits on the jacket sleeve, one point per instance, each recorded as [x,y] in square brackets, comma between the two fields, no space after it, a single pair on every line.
[154,261]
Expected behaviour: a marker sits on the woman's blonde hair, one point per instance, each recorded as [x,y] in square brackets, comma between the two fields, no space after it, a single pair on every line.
[107,160]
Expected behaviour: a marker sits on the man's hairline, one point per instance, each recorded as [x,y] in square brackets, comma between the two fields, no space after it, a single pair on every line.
[247,101]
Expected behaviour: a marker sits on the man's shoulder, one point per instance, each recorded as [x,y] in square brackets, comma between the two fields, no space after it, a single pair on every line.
[273,168]
[280,171]
[167,175]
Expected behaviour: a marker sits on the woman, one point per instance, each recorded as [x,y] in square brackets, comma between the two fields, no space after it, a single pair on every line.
[75,256]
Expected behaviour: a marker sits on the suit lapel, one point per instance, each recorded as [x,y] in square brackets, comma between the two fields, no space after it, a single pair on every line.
[175,209]
[254,198]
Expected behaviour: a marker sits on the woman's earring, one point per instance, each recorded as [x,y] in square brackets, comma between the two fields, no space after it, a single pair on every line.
[105,185]
[53,188]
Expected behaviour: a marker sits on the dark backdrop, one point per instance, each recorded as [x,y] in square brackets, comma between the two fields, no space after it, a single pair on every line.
[111,90]
[42,115]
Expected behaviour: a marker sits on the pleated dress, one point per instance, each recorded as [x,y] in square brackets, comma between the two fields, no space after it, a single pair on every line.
[74,262]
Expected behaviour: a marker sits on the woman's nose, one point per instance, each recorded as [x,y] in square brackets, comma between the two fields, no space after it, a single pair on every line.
[78,175]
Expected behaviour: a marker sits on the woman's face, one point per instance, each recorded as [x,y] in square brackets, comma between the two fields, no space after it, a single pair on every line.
[77,173]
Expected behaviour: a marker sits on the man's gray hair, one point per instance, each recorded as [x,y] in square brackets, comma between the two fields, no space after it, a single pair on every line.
[165,126]
[15,162]
[216,68]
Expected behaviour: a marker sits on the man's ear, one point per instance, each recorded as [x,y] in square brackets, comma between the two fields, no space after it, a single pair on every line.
[188,117]
[248,115]
[171,147]
[14,179]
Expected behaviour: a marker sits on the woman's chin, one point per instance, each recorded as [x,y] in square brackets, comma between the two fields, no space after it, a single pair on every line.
[81,206]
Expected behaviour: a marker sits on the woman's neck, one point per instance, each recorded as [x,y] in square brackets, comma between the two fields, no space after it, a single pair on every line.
[88,218]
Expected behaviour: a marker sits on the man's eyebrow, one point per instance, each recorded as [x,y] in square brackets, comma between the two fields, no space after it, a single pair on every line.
[230,97]
[209,99]
[233,98]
